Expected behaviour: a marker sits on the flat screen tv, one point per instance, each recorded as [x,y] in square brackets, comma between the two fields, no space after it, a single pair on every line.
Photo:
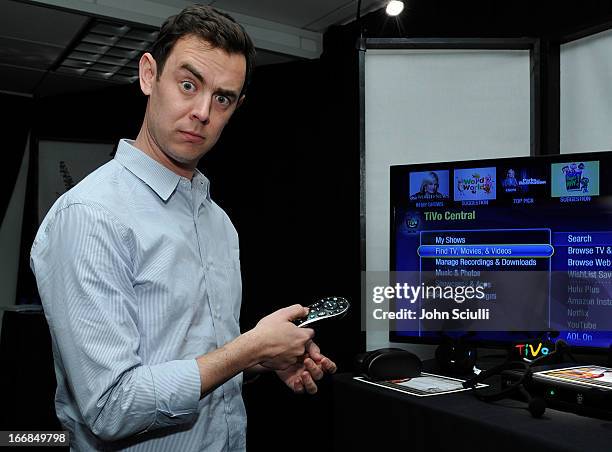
[541,227]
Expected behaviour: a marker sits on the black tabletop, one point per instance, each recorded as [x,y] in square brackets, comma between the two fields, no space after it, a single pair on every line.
[367,416]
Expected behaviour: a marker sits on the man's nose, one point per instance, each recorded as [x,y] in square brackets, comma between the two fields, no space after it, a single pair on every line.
[201,110]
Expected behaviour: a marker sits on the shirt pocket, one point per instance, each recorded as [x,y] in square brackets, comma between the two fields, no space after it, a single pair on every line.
[225,286]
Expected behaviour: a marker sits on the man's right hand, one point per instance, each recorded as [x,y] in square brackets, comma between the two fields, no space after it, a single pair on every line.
[275,343]
[283,343]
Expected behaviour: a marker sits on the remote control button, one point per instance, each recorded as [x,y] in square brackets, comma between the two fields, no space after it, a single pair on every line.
[322,313]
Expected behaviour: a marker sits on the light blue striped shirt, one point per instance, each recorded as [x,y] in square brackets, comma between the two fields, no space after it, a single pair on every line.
[139,273]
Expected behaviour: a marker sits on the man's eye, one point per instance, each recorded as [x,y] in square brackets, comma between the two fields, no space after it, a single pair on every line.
[223,100]
[187,86]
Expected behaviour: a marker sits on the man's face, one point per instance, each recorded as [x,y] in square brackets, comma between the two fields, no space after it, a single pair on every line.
[194,98]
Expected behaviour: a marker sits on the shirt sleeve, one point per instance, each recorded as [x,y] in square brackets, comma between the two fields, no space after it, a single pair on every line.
[82,258]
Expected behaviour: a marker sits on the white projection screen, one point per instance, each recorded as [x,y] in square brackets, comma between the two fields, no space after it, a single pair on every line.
[586,94]
[432,105]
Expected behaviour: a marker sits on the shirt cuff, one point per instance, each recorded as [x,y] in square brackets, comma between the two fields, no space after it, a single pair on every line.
[177,389]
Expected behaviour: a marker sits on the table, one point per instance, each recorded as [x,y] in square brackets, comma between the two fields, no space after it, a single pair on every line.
[367,417]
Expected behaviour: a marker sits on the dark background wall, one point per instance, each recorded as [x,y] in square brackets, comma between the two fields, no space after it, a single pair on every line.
[16,124]
[287,172]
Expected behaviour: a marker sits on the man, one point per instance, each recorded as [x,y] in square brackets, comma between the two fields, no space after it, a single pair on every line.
[139,273]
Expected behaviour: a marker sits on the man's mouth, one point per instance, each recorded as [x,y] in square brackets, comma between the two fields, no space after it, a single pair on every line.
[192,137]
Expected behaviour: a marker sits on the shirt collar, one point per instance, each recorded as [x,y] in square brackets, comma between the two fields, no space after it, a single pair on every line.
[201,183]
[162,180]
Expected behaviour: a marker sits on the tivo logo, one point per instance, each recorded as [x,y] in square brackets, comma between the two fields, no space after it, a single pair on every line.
[526,350]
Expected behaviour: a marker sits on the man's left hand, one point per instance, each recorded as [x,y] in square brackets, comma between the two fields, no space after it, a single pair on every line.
[302,375]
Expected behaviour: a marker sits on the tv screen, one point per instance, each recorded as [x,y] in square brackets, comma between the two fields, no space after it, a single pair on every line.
[532,235]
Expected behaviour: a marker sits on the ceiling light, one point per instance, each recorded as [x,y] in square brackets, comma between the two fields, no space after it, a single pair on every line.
[108,51]
[394,7]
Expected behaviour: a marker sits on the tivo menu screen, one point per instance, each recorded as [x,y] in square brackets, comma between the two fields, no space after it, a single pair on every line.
[541,225]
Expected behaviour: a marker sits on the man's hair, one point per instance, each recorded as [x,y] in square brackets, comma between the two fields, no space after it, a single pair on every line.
[220,30]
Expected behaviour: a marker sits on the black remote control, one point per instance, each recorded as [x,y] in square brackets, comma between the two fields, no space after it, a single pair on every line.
[326,308]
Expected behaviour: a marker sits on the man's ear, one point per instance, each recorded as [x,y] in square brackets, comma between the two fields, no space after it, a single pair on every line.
[240,101]
[147,73]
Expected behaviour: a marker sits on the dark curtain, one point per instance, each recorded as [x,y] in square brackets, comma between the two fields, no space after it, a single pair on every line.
[17,113]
